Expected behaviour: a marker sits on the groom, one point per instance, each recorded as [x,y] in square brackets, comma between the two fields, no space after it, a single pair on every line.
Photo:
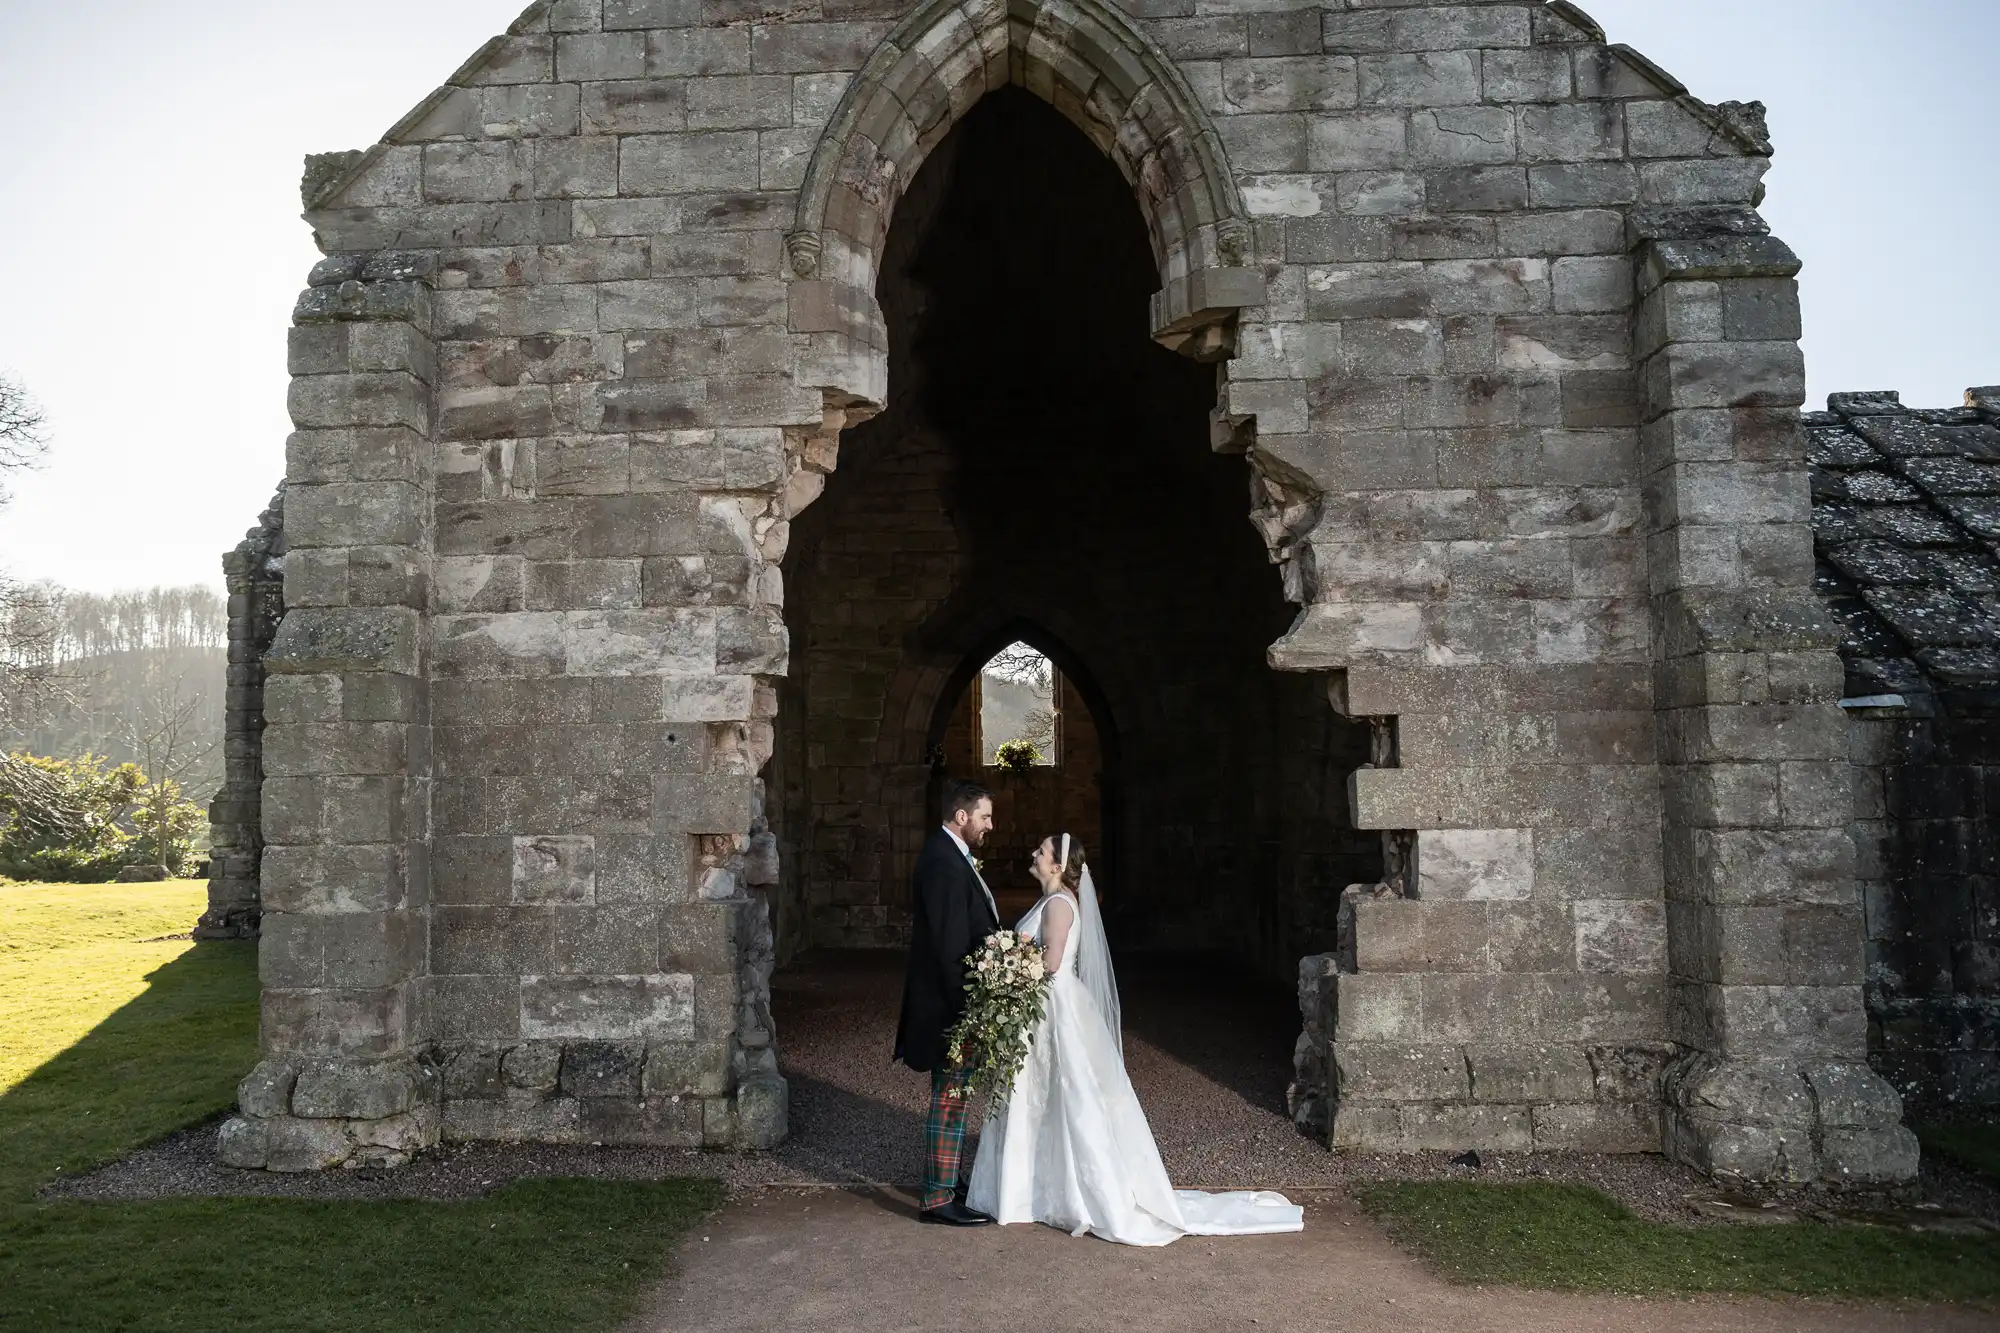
[951,912]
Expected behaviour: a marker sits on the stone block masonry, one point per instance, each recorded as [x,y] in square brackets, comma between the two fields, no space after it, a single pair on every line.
[254,573]
[1511,368]
[1777,1084]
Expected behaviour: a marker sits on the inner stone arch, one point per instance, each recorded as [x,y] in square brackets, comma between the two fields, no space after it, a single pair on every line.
[1043,469]
[1110,80]
[1072,786]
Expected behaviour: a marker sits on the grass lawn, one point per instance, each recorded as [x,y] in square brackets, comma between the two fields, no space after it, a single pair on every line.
[107,1042]
[1572,1238]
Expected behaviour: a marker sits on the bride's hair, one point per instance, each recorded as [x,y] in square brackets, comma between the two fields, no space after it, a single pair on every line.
[1072,873]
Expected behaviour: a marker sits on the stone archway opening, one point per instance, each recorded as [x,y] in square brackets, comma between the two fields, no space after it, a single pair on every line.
[1042,471]
[1023,725]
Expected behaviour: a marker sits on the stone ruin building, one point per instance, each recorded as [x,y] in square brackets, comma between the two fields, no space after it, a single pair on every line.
[695,393]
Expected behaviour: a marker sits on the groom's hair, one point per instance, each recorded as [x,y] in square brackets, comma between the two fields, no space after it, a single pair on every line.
[964,796]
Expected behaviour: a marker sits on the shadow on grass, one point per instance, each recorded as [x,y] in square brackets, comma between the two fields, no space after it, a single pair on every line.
[1573,1238]
[169,1056]
[543,1254]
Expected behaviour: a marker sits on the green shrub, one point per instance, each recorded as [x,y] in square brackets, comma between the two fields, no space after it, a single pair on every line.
[83,820]
[165,807]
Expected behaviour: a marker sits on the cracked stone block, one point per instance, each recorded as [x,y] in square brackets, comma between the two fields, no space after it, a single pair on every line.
[602,1069]
[244,1142]
[267,1090]
[534,1066]
[1769,1119]
[296,1145]
[393,1140]
[762,1112]
[681,1068]
[1885,1155]
[1853,1096]
[362,1090]
[659,1006]
[1480,865]
[473,1072]
[555,869]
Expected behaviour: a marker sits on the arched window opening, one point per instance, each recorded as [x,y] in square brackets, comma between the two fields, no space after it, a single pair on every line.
[1018,700]
[1020,710]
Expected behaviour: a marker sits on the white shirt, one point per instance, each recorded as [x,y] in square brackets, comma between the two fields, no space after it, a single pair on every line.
[966,852]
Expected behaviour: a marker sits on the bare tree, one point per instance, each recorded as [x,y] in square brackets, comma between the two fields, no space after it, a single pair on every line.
[22,443]
[31,681]
[165,730]
[1038,728]
[26,629]
[31,797]
[1021,664]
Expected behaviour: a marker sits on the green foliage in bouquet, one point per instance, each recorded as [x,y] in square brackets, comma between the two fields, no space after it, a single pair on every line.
[1006,987]
[1017,756]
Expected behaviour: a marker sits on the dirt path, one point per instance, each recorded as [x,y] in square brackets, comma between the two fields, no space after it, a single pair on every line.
[1210,1063]
[831,1261]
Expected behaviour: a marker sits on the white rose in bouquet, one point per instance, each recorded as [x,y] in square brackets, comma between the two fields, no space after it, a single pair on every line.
[1005,990]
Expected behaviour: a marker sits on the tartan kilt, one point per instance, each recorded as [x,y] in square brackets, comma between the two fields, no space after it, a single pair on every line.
[944,1135]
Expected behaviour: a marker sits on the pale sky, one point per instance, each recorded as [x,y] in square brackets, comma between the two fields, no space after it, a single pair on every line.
[151,249]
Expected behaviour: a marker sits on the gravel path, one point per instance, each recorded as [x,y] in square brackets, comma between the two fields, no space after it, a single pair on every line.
[855,1261]
[1209,1051]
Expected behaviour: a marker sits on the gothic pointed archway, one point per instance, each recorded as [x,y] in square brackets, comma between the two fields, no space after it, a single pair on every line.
[1043,470]
[1016,256]
[1108,78]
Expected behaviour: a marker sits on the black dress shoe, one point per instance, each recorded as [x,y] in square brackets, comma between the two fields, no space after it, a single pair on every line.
[953,1214]
[958,1196]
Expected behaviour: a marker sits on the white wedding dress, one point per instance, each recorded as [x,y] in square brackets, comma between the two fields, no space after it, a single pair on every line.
[1069,1146]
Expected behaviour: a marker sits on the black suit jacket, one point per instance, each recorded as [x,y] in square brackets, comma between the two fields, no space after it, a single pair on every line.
[949,916]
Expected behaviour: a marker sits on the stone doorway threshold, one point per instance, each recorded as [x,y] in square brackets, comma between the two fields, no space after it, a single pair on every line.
[781,1259]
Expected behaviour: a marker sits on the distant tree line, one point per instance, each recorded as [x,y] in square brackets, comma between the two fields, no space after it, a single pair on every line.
[110,710]
[136,677]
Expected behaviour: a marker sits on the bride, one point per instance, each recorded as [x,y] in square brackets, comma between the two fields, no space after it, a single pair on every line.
[1070,1146]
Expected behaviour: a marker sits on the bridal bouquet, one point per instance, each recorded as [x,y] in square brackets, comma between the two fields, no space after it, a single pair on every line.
[1006,984]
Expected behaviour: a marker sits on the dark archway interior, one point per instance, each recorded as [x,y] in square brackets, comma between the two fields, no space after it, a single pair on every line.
[1042,462]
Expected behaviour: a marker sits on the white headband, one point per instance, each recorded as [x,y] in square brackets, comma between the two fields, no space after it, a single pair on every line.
[1064,863]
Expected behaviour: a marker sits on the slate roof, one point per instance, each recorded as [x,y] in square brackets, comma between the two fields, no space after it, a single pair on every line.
[1906,531]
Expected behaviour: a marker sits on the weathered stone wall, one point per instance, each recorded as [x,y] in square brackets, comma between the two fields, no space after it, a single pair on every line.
[1763,912]
[255,575]
[1515,374]
[1924,840]
[1906,508]
[346,752]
